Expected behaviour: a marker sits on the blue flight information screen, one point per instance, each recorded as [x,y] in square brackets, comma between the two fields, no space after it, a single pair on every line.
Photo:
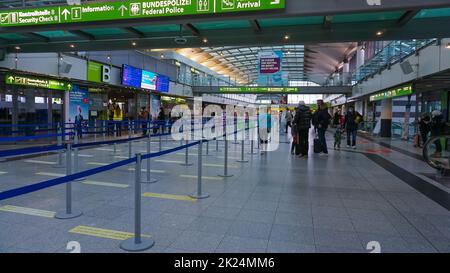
[131,76]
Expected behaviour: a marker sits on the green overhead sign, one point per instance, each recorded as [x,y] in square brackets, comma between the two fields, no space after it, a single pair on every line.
[392,93]
[130,9]
[37,82]
[243,89]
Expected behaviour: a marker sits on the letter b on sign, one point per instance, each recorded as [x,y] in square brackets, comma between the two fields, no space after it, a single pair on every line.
[106,73]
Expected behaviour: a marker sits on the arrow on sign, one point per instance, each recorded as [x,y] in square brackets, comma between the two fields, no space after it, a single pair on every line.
[275,2]
[65,12]
[122,10]
[11,78]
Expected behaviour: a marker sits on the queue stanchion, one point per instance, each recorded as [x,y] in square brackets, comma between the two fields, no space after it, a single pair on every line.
[225,164]
[252,141]
[149,179]
[60,163]
[115,136]
[160,137]
[137,243]
[217,144]
[186,156]
[199,194]
[75,155]
[95,130]
[104,130]
[129,141]
[69,212]
[242,160]
[235,134]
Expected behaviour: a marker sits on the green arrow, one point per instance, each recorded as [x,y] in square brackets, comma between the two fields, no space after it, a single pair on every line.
[11,79]
[122,10]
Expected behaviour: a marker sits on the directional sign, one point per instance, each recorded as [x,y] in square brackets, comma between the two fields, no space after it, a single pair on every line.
[39,82]
[245,89]
[130,9]
[393,93]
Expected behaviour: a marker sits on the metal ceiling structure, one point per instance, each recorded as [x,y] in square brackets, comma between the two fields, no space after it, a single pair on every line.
[300,23]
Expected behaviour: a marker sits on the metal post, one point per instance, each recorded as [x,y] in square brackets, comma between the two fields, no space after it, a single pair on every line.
[95,130]
[199,194]
[68,213]
[225,165]
[242,160]
[75,154]
[137,243]
[60,152]
[217,144]
[186,156]
[103,129]
[129,141]
[149,179]
[160,138]
[252,135]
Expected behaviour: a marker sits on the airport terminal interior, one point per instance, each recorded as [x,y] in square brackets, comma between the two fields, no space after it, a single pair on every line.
[224,126]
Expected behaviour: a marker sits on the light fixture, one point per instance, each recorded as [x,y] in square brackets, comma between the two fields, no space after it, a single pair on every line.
[447,46]
[109,57]
[379,33]
[72,46]
[162,56]
[287,37]
[133,43]
[205,40]
[17,48]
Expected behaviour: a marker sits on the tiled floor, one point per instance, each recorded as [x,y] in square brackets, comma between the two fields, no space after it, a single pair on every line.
[273,203]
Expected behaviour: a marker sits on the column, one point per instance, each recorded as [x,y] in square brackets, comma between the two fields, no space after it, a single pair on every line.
[386,118]
[50,107]
[360,56]
[346,79]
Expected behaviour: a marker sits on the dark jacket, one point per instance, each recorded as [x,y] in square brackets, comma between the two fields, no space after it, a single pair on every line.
[350,123]
[424,124]
[437,125]
[303,118]
[323,118]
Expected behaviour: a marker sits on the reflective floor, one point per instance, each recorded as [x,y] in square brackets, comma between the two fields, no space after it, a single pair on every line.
[273,203]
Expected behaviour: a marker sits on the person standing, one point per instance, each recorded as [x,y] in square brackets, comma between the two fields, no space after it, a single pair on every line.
[337,118]
[323,121]
[424,128]
[79,122]
[143,118]
[162,119]
[351,123]
[288,118]
[302,123]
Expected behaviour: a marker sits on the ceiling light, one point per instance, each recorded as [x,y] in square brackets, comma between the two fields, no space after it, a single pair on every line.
[379,33]
[133,43]
[17,47]
[72,46]
[162,56]
[447,46]
[287,37]
[205,40]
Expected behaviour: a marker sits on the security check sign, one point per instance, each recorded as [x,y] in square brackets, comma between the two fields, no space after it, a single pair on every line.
[130,9]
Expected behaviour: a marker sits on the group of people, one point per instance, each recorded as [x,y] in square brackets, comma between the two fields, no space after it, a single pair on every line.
[321,119]
[431,125]
[145,115]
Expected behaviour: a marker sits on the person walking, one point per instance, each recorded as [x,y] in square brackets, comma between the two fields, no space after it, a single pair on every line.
[424,128]
[437,129]
[351,122]
[337,118]
[323,121]
[302,123]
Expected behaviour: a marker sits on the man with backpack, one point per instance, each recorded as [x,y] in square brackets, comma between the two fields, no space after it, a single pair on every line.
[323,121]
[302,124]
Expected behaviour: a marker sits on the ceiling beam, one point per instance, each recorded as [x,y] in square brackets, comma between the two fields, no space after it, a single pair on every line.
[256,26]
[82,34]
[326,24]
[135,32]
[192,29]
[35,36]
[407,16]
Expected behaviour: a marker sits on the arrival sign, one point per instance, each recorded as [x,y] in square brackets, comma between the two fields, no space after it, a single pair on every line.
[130,9]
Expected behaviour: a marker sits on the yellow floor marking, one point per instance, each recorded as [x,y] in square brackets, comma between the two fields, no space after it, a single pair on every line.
[145,170]
[106,184]
[169,161]
[107,149]
[203,177]
[170,196]
[51,174]
[104,233]
[97,163]
[28,211]
[3,172]
[83,155]
[40,162]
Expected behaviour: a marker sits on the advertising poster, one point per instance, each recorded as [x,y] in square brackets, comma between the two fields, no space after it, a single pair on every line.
[78,104]
[149,80]
[270,72]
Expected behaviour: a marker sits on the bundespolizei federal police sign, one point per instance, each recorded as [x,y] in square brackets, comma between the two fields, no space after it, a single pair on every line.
[130,9]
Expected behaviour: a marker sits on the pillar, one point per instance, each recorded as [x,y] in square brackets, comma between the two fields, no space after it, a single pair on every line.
[386,118]
[50,107]
[360,56]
